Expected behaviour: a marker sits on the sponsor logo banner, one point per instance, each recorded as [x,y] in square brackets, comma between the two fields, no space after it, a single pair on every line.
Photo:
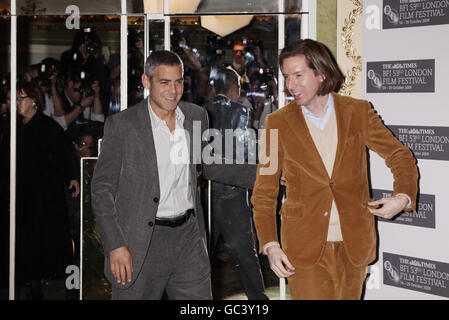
[414,13]
[426,142]
[400,76]
[416,274]
[424,216]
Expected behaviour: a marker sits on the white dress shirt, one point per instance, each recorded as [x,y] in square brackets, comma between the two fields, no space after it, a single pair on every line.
[172,155]
[320,122]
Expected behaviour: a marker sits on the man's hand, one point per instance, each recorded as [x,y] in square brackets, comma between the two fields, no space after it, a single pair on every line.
[76,185]
[279,262]
[390,206]
[121,264]
[53,77]
[96,87]
[87,101]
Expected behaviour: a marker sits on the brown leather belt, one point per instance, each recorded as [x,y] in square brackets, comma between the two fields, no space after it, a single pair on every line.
[175,222]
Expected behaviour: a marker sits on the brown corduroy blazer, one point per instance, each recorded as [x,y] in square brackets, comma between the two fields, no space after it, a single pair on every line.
[310,190]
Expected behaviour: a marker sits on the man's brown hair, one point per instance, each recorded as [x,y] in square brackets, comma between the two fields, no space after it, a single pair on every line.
[320,59]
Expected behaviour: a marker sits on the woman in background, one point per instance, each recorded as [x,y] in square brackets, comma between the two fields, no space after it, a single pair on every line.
[44,169]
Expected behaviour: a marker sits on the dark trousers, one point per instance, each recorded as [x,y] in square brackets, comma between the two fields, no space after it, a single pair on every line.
[231,219]
[176,262]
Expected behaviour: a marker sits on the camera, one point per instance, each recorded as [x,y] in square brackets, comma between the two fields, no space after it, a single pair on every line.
[176,38]
[260,84]
[91,47]
[86,84]
[45,70]
[90,41]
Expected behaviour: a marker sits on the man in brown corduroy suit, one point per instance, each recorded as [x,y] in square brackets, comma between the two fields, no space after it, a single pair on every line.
[328,234]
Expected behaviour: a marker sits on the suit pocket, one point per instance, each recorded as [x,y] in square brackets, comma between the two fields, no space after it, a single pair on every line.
[292,212]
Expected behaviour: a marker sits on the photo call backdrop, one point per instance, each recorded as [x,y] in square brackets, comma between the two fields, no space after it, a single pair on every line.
[405,76]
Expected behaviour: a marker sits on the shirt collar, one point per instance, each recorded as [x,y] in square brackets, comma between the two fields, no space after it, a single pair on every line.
[158,122]
[327,109]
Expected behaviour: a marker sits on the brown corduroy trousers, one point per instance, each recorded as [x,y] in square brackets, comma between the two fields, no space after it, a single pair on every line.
[332,278]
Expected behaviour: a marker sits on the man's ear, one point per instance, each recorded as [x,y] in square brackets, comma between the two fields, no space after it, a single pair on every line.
[146,81]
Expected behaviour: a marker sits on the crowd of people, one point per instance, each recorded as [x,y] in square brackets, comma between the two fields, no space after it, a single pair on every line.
[258,79]
[60,115]
[148,208]
[62,106]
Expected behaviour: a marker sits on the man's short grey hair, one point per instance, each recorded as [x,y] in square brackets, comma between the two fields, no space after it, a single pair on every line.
[162,58]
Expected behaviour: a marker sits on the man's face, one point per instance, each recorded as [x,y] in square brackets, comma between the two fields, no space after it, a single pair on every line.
[73,91]
[238,54]
[165,88]
[301,81]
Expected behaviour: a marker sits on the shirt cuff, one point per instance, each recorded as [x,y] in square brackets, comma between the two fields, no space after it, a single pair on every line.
[269,244]
[409,204]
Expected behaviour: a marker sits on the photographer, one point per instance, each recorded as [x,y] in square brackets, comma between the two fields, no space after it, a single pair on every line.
[255,52]
[84,54]
[189,55]
[80,100]
[262,94]
[46,77]
[191,59]
[135,68]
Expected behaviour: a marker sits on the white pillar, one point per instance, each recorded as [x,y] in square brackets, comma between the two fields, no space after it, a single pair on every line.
[281,44]
[123,57]
[13,148]
[166,24]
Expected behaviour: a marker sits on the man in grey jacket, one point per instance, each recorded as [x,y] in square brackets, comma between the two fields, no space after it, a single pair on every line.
[145,195]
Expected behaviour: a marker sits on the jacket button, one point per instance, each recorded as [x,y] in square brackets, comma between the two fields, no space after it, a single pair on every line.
[325,214]
[331,184]
[150,223]
[156,199]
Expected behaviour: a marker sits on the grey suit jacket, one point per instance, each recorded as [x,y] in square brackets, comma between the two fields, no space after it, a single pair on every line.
[125,185]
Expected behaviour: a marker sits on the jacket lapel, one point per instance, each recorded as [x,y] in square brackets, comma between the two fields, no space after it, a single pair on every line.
[309,156]
[343,120]
[188,127]
[145,133]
